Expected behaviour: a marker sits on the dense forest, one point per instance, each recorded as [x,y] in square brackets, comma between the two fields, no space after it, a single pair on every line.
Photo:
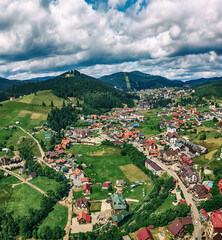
[61,118]
[213,89]
[97,97]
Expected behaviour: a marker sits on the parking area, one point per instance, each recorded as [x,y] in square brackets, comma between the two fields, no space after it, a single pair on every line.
[76,227]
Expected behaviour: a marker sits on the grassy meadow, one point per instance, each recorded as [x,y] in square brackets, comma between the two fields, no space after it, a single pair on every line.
[6,190]
[105,162]
[23,198]
[58,217]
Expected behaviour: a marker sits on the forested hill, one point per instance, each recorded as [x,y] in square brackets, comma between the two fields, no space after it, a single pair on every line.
[96,96]
[138,80]
[202,81]
[5,83]
[209,89]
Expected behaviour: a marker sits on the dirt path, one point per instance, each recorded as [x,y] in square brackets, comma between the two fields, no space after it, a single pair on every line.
[68,203]
[24,180]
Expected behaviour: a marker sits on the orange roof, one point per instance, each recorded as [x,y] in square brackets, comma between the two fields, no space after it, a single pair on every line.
[51,161]
[84,216]
[77,171]
[85,179]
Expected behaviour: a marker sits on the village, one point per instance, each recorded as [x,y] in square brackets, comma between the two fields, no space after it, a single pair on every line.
[170,136]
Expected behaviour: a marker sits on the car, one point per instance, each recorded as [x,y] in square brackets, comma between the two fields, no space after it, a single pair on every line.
[190,205]
[196,223]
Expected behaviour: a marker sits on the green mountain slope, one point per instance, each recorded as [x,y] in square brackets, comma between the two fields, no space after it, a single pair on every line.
[138,80]
[5,83]
[94,95]
[209,89]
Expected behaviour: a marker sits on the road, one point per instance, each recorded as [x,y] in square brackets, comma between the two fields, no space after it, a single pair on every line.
[23,180]
[187,196]
[69,203]
[41,159]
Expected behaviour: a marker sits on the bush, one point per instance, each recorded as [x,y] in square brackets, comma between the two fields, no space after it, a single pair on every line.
[203,136]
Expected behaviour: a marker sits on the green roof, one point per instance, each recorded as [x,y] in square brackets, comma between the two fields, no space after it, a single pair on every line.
[119,202]
[120,216]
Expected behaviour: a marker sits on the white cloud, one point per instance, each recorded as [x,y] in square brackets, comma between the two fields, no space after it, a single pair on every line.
[43,37]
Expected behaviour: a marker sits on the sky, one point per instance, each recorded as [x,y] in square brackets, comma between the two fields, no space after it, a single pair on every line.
[177,39]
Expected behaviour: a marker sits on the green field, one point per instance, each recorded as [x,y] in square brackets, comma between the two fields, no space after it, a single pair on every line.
[28,114]
[137,192]
[95,206]
[23,198]
[167,203]
[128,85]
[97,193]
[6,190]
[45,183]
[58,217]
[47,96]
[105,162]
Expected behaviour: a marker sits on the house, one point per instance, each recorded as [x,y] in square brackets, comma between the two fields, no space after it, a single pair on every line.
[220,185]
[12,98]
[103,117]
[186,221]
[86,189]
[81,133]
[176,229]
[59,152]
[106,185]
[120,183]
[186,159]
[151,147]
[21,170]
[216,219]
[79,174]
[4,160]
[170,156]
[118,202]
[82,203]
[172,137]
[217,237]
[83,218]
[204,215]
[188,174]
[139,116]
[144,234]
[85,180]
[66,143]
[126,237]
[200,190]
[33,175]
[157,170]
[121,217]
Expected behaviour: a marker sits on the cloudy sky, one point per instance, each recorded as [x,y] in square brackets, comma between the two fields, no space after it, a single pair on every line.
[178,39]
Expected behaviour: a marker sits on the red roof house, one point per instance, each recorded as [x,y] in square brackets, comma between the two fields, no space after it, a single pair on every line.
[220,185]
[83,218]
[86,188]
[216,219]
[144,234]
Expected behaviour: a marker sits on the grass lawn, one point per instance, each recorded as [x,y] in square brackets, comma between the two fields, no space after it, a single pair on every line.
[137,192]
[58,217]
[97,193]
[167,203]
[23,198]
[133,173]
[95,206]
[6,190]
[105,162]
[209,123]
[45,183]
